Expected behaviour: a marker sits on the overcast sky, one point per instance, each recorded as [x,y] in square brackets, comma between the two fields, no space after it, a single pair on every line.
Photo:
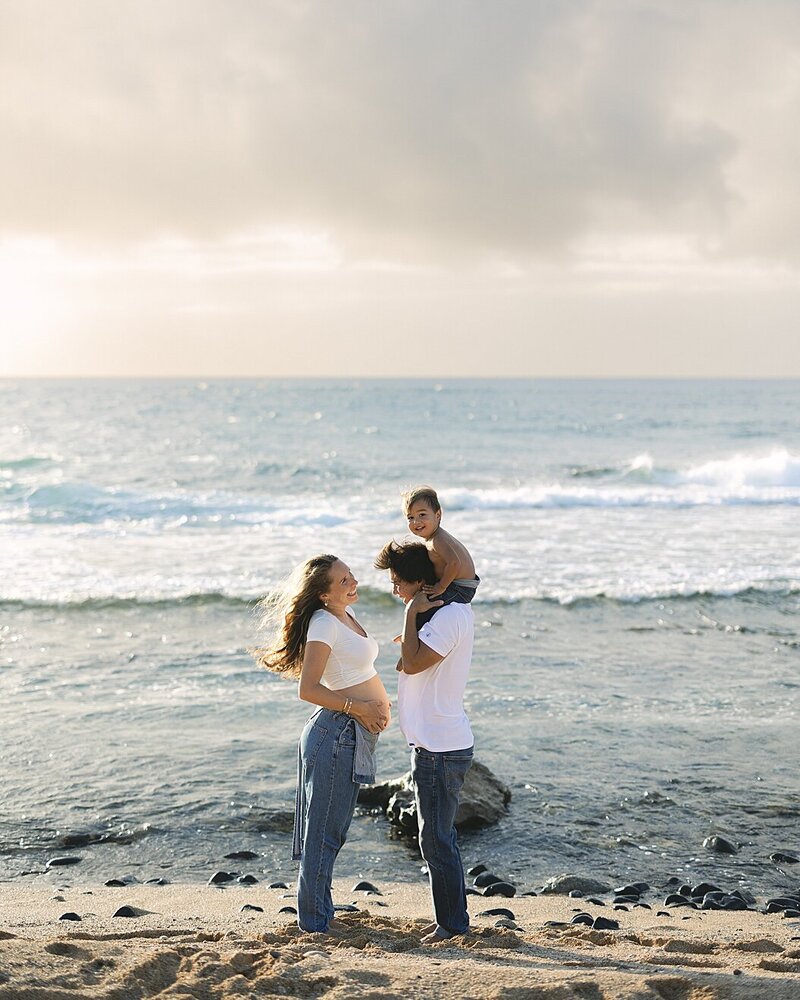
[379,187]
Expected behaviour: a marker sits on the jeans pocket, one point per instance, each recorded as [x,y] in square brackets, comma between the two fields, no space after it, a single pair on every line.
[347,737]
[313,738]
[455,770]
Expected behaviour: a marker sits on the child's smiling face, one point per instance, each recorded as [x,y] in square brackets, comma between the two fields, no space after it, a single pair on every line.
[423,520]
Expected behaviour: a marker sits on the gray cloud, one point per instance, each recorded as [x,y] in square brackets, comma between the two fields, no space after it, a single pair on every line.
[409,129]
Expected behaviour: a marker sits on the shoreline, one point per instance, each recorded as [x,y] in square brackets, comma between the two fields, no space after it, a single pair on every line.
[195,940]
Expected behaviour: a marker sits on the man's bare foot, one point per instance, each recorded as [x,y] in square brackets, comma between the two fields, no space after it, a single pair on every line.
[435,937]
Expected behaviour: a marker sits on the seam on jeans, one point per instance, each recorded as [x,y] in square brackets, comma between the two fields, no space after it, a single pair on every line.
[318,872]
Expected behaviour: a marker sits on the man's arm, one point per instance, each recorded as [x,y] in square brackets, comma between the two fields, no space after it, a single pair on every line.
[415,655]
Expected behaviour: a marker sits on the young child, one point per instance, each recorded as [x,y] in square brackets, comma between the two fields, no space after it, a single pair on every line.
[455,570]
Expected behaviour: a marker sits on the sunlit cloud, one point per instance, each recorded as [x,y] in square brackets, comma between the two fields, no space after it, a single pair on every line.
[313,166]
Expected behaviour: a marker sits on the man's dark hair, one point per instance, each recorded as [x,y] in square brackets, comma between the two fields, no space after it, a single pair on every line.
[410,562]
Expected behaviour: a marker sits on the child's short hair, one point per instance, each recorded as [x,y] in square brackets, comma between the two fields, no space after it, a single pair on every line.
[421,494]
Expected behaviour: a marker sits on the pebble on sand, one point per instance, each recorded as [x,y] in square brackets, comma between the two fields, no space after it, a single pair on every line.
[500,889]
[366,887]
[220,878]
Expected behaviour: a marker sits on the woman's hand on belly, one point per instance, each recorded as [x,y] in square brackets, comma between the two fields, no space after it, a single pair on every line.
[374,716]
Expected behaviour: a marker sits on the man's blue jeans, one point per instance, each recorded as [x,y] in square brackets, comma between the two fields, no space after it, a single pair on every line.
[438,778]
[328,798]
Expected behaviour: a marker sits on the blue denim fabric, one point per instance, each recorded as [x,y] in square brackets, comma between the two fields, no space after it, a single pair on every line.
[438,778]
[326,798]
[459,592]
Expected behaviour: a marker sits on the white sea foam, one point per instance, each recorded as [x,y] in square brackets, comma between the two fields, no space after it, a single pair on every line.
[773,478]
[775,470]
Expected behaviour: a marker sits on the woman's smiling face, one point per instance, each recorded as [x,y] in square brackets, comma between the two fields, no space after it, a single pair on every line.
[342,587]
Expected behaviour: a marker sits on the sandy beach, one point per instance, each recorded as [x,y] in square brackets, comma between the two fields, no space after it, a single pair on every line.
[197,941]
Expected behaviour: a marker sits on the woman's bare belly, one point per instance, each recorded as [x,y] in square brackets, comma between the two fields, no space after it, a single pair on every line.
[368,690]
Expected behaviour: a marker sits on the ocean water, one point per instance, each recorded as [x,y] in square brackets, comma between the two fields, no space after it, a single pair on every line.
[636,679]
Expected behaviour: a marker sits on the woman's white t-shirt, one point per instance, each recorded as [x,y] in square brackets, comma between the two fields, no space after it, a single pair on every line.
[352,656]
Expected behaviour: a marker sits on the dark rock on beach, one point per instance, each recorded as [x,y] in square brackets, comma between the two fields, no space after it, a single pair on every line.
[497,911]
[63,861]
[720,845]
[484,800]
[605,924]
[157,881]
[366,887]
[69,916]
[634,889]
[562,885]
[251,906]
[127,911]
[676,899]
[779,858]
[277,885]
[476,870]
[378,796]
[115,883]
[500,889]
[703,889]
[220,878]
[247,880]
[486,878]
[402,811]
[241,856]
[782,903]
[289,909]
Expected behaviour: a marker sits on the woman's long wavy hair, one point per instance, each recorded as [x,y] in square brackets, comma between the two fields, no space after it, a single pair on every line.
[287,611]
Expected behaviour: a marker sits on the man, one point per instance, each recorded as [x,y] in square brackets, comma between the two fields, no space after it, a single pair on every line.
[434,665]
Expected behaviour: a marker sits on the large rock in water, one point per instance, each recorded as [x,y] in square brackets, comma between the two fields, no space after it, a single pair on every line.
[483,801]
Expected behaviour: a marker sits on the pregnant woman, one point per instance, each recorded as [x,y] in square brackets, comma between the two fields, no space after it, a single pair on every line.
[319,641]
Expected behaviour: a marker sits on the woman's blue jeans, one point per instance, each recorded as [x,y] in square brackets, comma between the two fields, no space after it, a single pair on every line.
[438,778]
[328,795]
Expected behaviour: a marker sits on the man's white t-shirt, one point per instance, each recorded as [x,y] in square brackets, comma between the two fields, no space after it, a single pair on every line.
[431,703]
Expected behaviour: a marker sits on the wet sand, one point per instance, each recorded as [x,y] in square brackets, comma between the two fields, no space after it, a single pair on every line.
[195,941]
